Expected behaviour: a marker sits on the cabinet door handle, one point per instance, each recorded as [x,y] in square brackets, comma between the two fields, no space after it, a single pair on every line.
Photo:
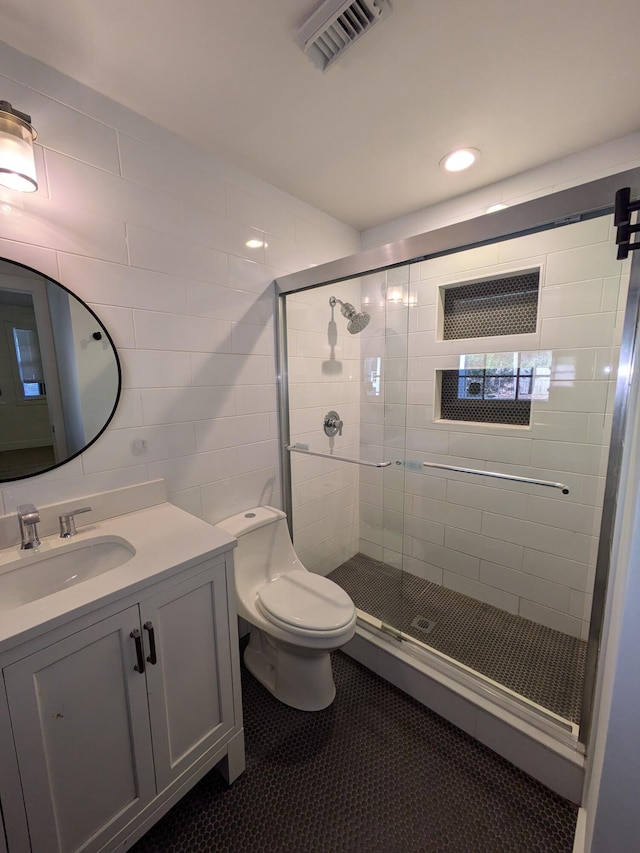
[151,657]
[135,635]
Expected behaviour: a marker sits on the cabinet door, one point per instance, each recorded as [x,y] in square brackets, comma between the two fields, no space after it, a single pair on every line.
[79,717]
[190,687]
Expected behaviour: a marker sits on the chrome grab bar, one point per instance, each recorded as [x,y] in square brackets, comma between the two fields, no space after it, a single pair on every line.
[293,448]
[561,486]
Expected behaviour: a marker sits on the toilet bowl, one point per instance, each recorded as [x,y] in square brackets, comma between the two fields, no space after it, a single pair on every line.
[296,617]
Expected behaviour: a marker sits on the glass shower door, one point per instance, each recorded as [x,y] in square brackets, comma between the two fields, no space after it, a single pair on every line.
[459,500]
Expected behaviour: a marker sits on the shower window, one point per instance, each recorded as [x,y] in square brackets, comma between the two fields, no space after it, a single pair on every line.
[495,387]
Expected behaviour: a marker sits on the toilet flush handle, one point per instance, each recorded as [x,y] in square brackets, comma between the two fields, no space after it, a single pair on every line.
[332,424]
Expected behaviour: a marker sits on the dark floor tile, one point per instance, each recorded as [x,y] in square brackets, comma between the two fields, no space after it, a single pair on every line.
[544,665]
[374,772]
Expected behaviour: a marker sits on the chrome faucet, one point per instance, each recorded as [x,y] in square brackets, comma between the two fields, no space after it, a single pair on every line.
[28,516]
[68,522]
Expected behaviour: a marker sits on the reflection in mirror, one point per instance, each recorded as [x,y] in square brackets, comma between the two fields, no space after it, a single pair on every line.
[59,373]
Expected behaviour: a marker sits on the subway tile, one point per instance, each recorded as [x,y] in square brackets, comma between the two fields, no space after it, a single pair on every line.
[577,264]
[560,570]
[102,283]
[155,369]
[216,433]
[494,550]
[153,168]
[481,592]
[165,253]
[563,513]
[555,240]
[551,540]
[551,618]
[446,558]
[491,448]
[116,448]
[566,456]
[422,528]
[592,330]
[157,330]
[566,300]
[67,228]
[423,570]
[230,369]
[65,129]
[580,604]
[173,405]
[129,410]
[454,516]
[559,426]
[119,323]
[525,586]
[87,187]
[252,399]
[186,472]
[501,501]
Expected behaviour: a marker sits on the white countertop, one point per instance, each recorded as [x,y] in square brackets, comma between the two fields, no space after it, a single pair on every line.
[165,538]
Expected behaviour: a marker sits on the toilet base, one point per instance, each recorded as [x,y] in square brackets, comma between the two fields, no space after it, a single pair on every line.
[301,678]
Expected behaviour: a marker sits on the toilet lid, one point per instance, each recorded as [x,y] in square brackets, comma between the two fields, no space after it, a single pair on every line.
[305,600]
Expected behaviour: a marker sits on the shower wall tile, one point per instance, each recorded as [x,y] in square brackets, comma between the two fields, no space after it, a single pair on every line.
[562,332]
[482,592]
[501,501]
[525,586]
[581,297]
[586,262]
[543,537]
[569,573]
[446,558]
[551,618]
[563,456]
[452,516]
[486,548]
[563,513]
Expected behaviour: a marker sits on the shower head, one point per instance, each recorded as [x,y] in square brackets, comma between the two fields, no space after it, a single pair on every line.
[357,321]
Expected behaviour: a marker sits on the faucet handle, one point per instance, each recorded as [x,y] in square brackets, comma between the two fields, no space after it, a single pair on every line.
[28,513]
[68,523]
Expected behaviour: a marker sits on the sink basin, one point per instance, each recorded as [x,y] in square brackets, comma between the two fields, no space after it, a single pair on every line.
[36,574]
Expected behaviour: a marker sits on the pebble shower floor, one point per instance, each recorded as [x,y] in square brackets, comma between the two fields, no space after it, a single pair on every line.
[374,772]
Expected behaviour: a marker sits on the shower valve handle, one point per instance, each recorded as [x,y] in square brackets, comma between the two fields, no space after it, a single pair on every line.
[332,424]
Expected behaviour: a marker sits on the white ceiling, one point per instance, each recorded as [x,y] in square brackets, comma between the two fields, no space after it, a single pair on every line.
[525,81]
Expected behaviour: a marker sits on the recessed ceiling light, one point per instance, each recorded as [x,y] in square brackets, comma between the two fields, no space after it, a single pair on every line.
[254,244]
[499,206]
[460,159]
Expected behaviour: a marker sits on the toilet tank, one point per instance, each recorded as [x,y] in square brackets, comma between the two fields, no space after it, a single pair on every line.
[264,550]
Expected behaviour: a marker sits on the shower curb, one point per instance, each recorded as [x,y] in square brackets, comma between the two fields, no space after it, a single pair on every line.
[554,764]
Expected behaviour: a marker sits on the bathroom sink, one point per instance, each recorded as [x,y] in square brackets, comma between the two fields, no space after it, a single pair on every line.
[37,574]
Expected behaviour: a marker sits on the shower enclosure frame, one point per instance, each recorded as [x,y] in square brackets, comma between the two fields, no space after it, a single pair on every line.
[576,204]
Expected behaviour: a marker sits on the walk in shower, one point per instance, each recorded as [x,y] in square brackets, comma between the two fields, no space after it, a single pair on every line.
[446,409]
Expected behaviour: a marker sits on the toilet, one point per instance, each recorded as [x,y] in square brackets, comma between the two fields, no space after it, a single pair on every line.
[296,617]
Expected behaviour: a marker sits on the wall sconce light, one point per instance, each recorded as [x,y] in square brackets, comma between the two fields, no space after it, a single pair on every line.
[17,165]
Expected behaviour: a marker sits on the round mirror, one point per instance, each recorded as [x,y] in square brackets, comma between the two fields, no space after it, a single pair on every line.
[59,373]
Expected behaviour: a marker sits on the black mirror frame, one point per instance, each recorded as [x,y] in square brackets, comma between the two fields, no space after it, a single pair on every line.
[105,331]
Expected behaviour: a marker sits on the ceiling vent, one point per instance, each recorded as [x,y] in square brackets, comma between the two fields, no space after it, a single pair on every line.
[335,26]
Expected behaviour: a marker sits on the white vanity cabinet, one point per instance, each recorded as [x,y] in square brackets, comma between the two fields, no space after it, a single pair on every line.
[115,715]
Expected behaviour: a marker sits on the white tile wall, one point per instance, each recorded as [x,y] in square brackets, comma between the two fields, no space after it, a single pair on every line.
[151,234]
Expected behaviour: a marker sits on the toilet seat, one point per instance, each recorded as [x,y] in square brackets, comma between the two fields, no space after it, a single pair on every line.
[306,604]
